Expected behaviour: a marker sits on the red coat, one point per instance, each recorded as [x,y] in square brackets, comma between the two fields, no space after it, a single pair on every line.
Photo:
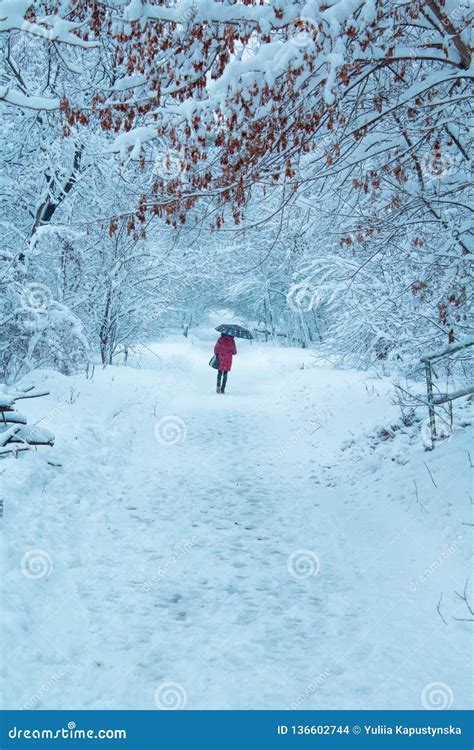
[224,349]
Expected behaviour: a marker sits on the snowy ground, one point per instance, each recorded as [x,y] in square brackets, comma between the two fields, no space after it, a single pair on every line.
[261,549]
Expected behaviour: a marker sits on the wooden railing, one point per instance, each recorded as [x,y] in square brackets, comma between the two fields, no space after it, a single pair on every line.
[433,400]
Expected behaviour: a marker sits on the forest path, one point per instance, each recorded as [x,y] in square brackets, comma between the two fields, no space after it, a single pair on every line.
[231,505]
[268,577]
[214,550]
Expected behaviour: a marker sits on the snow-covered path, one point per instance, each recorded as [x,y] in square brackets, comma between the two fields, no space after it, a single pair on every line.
[223,552]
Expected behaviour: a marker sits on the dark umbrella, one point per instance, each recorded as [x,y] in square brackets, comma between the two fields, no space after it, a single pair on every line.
[231,329]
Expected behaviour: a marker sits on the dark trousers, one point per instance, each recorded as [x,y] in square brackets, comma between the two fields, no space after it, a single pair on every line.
[222,379]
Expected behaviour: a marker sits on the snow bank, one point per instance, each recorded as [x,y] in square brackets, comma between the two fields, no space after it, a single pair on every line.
[289,544]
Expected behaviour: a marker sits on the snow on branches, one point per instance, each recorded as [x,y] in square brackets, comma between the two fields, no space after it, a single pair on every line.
[243,92]
[353,112]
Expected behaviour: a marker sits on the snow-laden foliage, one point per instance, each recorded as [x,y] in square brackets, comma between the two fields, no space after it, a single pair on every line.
[328,144]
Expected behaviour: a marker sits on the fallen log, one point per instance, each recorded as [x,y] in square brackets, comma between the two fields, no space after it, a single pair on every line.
[15,434]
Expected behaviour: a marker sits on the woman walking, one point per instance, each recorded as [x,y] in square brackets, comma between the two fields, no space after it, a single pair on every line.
[224,350]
